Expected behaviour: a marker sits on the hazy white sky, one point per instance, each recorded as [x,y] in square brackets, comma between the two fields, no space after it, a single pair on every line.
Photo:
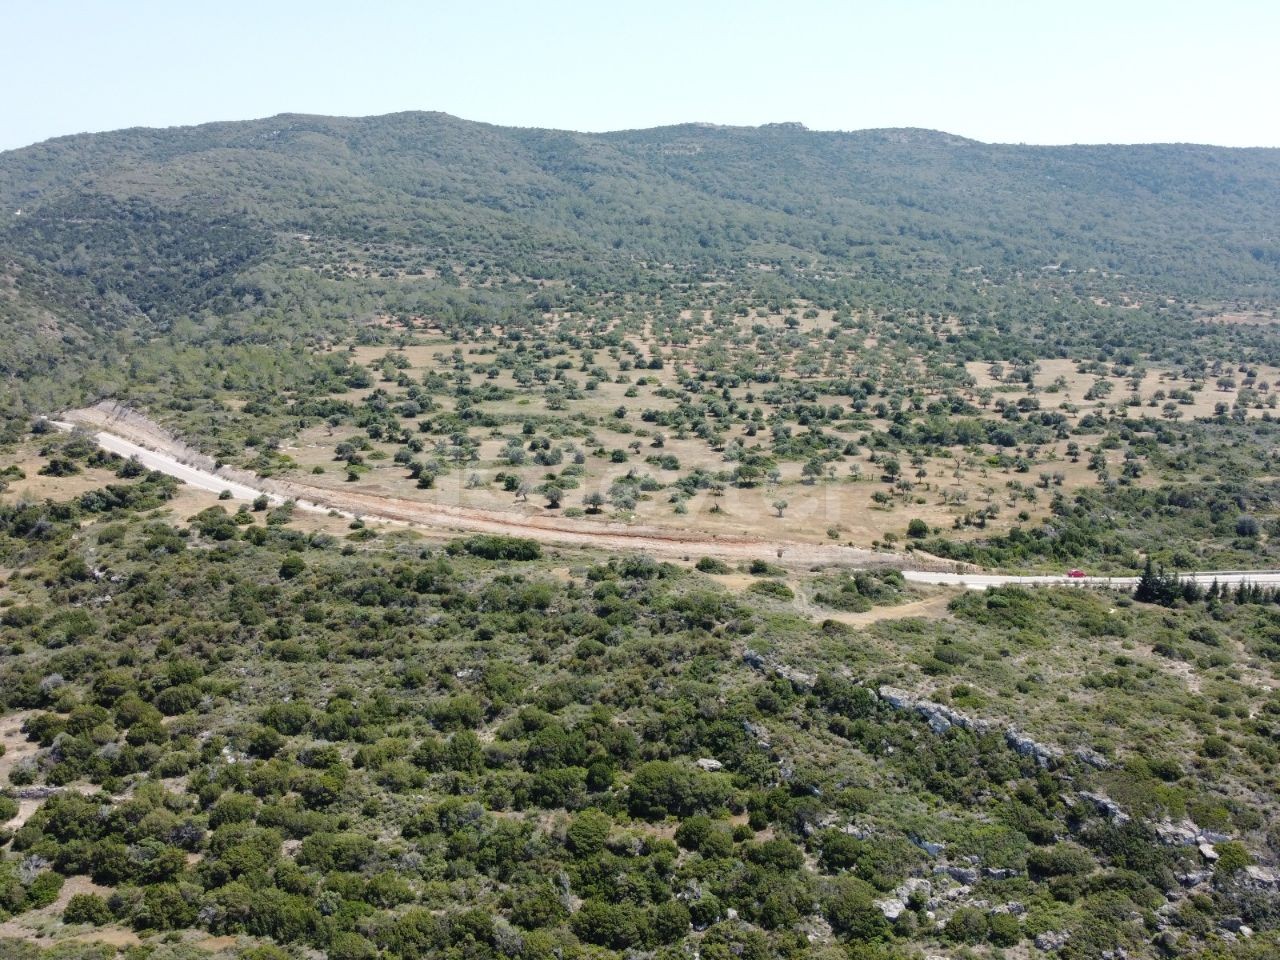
[1028,71]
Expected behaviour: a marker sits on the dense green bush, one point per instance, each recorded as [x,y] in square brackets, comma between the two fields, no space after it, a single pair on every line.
[87,908]
[459,758]
[494,547]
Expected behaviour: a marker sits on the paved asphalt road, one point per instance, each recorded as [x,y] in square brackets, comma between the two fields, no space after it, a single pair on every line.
[981,581]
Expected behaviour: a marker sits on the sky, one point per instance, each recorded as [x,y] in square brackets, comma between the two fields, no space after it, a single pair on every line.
[1031,71]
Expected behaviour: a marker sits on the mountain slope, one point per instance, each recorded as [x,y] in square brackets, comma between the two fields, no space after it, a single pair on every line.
[135,231]
[684,190]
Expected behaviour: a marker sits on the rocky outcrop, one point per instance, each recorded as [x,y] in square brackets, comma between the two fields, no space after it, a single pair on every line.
[1045,755]
[895,905]
[1106,806]
[1186,833]
[931,848]
[1263,878]
[891,907]
[1052,940]
[758,733]
[1091,758]
[963,875]
[39,792]
[1236,925]
[1182,834]
[758,661]
[1000,873]
[942,718]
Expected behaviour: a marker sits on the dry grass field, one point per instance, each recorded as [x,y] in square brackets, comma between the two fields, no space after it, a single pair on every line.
[844,503]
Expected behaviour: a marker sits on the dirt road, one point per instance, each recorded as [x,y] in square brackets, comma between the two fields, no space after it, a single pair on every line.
[127,433]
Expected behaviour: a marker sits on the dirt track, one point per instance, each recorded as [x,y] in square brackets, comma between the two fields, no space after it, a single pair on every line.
[128,433]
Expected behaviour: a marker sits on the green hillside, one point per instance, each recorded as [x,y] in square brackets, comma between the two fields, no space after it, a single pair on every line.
[123,236]
[410,691]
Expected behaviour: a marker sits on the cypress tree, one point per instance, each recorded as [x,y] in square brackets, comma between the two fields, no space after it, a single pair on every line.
[1148,590]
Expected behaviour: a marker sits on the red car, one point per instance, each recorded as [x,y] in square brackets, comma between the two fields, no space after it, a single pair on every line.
[1075,573]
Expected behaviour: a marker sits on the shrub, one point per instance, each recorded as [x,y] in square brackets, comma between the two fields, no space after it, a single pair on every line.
[1215,747]
[849,908]
[180,699]
[351,946]
[291,566]
[1063,859]
[967,925]
[463,712]
[704,835]
[775,589]
[660,788]
[496,547]
[1004,929]
[44,890]
[232,808]
[616,925]
[87,908]
[588,832]
[1232,858]
[671,921]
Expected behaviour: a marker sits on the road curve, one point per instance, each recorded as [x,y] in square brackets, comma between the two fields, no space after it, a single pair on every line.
[192,476]
[199,471]
[416,513]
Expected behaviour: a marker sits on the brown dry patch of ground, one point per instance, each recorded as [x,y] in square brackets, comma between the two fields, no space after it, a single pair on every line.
[189,501]
[1179,668]
[16,745]
[112,936]
[73,886]
[734,582]
[546,525]
[36,487]
[45,926]
[834,510]
[743,512]
[842,503]
[551,526]
[932,608]
[737,530]
[423,354]
[26,810]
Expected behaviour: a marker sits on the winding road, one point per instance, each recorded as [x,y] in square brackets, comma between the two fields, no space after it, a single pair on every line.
[194,469]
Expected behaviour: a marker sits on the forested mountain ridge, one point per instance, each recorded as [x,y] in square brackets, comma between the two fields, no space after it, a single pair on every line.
[694,192]
[286,228]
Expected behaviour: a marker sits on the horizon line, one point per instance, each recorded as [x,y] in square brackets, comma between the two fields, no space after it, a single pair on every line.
[793,125]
